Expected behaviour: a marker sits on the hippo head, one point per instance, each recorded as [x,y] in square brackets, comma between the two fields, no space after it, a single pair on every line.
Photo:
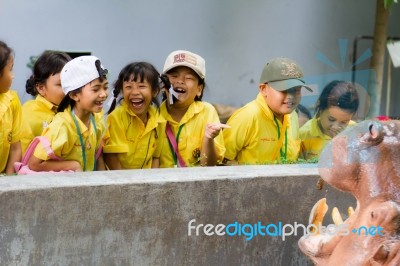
[363,160]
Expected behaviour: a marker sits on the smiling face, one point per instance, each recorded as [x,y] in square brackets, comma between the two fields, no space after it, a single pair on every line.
[281,102]
[7,76]
[91,97]
[187,85]
[138,96]
[334,120]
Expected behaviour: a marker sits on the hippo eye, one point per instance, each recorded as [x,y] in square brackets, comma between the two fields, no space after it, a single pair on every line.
[372,215]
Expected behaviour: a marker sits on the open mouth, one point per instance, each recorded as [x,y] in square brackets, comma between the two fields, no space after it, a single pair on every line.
[289,104]
[137,103]
[319,211]
[99,103]
[179,90]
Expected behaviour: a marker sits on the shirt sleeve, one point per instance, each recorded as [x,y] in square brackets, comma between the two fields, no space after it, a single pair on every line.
[60,141]
[236,137]
[17,128]
[218,140]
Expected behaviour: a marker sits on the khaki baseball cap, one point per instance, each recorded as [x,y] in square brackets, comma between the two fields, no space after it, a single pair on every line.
[188,59]
[283,74]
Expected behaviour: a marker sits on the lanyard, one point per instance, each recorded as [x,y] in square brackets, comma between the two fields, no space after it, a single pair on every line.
[177,141]
[282,154]
[81,139]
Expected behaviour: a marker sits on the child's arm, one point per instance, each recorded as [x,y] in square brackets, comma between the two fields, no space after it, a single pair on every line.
[155,163]
[37,164]
[208,153]
[14,156]
[111,159]
[100,164]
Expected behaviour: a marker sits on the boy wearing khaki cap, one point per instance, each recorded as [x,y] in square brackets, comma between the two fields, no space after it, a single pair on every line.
[264,131]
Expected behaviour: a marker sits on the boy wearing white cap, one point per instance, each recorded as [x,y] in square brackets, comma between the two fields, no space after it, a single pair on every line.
[74,135]
[264,131]
[192,127]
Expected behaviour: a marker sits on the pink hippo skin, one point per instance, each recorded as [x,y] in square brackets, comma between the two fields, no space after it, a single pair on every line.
[364,160]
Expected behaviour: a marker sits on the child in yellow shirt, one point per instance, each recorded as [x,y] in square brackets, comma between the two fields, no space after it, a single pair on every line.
[10,114]
[74,134]
[133,127]
[335,108]
[264,131]
[191,129]
[45,84]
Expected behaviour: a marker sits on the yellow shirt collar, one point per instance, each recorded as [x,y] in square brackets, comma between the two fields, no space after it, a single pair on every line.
[46,103]
[153,118]
[315,131]
[195,108]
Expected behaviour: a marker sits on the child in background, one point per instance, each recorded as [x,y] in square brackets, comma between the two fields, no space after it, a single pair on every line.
[132,128]
[191,135]
[10,114]
[303,114]
[74,134]
[45,84]
[335,108]
[264,131]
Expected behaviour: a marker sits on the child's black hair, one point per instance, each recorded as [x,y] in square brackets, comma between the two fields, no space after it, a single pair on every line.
[338,93]
[138,72]
[5,53]
[49,63]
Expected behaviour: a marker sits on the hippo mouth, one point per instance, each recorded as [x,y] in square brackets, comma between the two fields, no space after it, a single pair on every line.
[322,239]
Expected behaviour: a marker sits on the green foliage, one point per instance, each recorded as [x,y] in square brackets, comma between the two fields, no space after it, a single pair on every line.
[389,3]
[32,61]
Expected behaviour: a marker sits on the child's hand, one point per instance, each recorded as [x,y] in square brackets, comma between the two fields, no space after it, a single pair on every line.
[74,166]
[213,129]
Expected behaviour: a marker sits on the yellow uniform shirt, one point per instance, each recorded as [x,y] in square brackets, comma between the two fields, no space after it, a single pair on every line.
[36,115]
[312,139]
[127,136]
[255,137]
[10,125]
[63,136]
[190,140]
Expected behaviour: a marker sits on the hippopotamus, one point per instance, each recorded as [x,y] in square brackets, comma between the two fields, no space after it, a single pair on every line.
[363,160]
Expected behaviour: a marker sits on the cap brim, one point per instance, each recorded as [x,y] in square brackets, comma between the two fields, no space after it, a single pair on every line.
[186,65]
[283,85]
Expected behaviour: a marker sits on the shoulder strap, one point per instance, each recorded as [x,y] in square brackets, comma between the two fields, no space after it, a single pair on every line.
[31,148]
[174,145]
[99,150]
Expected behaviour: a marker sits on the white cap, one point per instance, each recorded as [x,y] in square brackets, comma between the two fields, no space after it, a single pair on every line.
[188,59]
[80,71]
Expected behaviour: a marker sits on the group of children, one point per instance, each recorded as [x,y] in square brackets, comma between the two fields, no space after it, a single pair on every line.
[140,132]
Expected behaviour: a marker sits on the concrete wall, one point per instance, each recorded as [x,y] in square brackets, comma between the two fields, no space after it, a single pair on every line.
[141,217]
[236,37]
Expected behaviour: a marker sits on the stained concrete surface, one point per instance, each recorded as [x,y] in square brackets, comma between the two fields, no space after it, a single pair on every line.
[141,217]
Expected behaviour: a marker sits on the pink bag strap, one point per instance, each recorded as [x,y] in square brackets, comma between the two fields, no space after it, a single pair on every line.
[31,148]
[100,150]
[174,145]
